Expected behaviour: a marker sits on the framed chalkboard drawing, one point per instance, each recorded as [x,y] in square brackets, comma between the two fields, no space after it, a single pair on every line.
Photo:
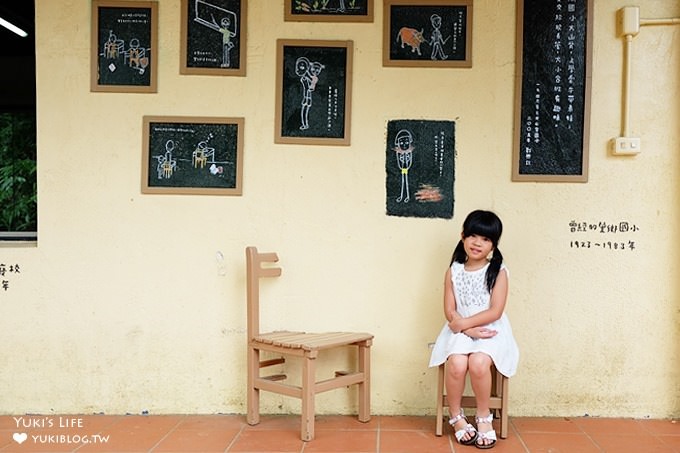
[419,168]
[192,155]
[427,33]
[328,10]
[313,92]
[124,46]
[552,90]
[213,37]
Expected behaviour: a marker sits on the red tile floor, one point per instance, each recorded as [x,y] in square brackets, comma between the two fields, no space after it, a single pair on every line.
[231,433]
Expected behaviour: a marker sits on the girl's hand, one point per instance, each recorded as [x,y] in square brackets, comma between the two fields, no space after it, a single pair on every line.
[480,332]
[456,324]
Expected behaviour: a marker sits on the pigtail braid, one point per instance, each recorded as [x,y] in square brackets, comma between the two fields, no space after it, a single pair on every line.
[494,269]
[459,254]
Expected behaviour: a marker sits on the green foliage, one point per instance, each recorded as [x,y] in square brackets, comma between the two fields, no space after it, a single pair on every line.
[18,179]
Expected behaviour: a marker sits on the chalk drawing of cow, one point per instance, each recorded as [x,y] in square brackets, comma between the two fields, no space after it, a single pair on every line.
[412,37]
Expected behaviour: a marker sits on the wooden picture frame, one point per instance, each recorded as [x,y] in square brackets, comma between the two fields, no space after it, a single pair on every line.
[328,11]
[552,92]
[124,46]
[427,33]
[313,92]
[213,37]
[192,155]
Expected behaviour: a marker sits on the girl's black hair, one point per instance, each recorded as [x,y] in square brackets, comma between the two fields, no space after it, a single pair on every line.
[488,225]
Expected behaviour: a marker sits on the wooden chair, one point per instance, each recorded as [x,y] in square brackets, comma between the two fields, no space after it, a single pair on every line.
[298,344]
[498,403]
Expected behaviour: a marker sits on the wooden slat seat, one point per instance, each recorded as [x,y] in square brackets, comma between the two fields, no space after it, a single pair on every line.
[311,341]
[298,344]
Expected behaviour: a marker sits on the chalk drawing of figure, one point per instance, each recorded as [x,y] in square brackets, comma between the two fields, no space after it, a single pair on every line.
[309,76]
[198,156]
[437,41]
[201,154]
[166,164]
[112,46]
[315,69]
[221,20]
[342,6]
[137,58]
[227,45]
[403,147]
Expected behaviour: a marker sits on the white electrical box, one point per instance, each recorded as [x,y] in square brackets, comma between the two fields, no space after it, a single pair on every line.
[626,146]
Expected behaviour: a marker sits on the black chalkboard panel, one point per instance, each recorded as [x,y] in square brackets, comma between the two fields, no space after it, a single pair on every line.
[553,90]
[192,155]
[213,37]
[313,94]
[329,10]
[124,46]
[430,33]
[419,168]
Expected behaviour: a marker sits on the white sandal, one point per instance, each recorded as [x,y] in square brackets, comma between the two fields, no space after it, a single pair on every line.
[467,429]
[488,435]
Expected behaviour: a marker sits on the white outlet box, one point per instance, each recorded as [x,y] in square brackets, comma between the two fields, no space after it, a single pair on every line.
[626,146]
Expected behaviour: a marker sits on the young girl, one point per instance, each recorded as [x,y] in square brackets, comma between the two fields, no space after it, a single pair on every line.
[477,333]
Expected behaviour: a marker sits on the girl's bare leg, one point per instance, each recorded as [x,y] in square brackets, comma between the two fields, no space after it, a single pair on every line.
[479,365]
[456,370]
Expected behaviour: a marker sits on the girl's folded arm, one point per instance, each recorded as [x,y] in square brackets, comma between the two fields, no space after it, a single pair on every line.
[450,311]
[499,297]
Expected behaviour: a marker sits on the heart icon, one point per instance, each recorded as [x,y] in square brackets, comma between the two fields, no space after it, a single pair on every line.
[20,437]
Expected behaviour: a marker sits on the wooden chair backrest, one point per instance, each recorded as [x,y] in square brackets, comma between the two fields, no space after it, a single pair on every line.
[254,272]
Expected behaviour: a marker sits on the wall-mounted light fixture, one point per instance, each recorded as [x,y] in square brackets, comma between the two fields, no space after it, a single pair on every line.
[13,28]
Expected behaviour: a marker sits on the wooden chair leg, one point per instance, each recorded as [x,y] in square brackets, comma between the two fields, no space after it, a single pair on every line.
[308,394]
[365,385]
[505,384]
[253,394]
[496,388]
[440,400]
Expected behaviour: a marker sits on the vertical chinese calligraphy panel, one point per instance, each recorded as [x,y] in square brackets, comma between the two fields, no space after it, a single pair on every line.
[553,90]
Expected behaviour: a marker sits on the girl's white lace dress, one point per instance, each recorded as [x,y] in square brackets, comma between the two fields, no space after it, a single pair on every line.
[471,298]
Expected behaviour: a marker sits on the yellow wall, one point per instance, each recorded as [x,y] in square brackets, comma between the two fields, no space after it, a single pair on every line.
[125,306]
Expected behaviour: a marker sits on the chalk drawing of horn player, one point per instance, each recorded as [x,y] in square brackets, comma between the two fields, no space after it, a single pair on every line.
[309,76]
[221,20]
[403,147]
